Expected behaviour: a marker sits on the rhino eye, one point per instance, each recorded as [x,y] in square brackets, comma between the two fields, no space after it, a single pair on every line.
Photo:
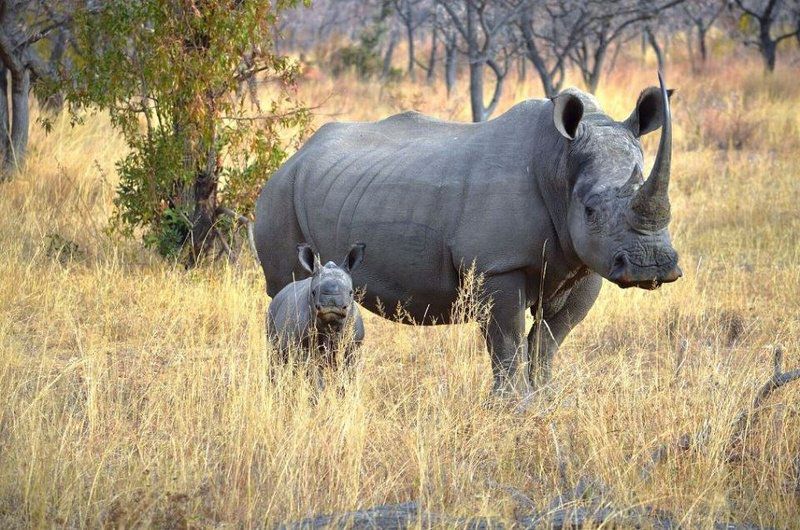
[589,212]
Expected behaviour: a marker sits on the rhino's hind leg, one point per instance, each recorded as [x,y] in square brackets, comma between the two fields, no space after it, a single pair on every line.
[505,334]
[557,325]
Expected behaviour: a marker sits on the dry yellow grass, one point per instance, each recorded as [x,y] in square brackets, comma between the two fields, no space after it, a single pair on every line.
[137,394]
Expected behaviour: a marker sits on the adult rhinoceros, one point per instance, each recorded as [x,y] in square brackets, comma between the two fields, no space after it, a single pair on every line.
[430,198]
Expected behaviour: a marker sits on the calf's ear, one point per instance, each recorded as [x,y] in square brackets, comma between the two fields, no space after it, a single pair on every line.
[567,114]
[648,114]
[354,257]
[308,260]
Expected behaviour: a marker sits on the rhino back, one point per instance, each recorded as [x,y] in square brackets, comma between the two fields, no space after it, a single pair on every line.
[426,196]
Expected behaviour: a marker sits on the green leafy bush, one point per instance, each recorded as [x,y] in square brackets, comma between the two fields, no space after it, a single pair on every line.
[168,73]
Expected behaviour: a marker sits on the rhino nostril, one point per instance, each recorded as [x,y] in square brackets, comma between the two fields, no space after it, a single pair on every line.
[620,264]
[673,274]
[620,270]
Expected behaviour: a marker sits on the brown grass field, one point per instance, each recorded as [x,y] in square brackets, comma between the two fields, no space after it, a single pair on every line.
[135,393]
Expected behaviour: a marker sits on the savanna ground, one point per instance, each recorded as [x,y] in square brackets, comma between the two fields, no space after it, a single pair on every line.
[136,393]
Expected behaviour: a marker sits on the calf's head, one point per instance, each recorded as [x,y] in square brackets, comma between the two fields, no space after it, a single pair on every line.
[331,293]
[618,221]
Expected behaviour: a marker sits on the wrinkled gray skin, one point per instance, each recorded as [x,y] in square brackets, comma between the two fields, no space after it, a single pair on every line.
[431,197]
[317,311]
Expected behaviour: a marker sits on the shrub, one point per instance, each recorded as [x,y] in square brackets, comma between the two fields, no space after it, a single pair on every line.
[167,72]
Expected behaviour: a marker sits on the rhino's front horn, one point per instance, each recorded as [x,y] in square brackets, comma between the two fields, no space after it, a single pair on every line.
[651,202]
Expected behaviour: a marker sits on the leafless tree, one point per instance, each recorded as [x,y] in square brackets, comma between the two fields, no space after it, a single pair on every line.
[305,28]
[484,28]
[412,13]
[653,41]
[28,27]
[388,54]
[776,20]
[549,30]
[448,35]
[700,15]
[610,22]
[660,27]
[430,69]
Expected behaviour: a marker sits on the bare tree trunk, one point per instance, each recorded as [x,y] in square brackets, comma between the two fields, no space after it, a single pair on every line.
[476,90]
[450,64]
[651,38]
[701,43]
[766,19]
[643,49]
[615,56]
[204,215]
[593,82]
[55,102]
[431,73]
[205,201]
[544,75]
[592,79]
[5,131]
[591,65]
[410,37]
[476,65]
[768,48]
[533,55]
[20,90]
[690,51]
[387,57]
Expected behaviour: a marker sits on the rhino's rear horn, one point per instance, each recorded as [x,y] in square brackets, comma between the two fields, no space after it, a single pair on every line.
[651,202]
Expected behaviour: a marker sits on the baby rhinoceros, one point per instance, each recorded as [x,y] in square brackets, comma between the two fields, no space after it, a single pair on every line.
[318,314]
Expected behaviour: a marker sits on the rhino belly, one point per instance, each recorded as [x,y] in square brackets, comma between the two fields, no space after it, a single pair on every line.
[410,276]
[404,214]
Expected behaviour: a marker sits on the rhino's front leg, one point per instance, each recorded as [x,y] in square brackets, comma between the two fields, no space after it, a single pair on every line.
[558,322]
[505,334]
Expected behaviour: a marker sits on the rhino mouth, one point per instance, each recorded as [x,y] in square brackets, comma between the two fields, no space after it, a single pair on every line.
[626,273]
[649,285]
[331,314]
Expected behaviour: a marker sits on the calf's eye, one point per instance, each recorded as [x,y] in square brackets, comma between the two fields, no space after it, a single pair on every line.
[589,212]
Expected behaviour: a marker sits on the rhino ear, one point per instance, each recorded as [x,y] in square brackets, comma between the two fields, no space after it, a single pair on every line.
[648,114]
[567,114]
[305,255]
[354,257]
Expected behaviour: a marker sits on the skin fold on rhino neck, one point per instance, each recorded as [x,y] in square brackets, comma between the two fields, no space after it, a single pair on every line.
[551,177]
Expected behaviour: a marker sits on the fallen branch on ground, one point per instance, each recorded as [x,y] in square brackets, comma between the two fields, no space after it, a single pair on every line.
[778,379]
